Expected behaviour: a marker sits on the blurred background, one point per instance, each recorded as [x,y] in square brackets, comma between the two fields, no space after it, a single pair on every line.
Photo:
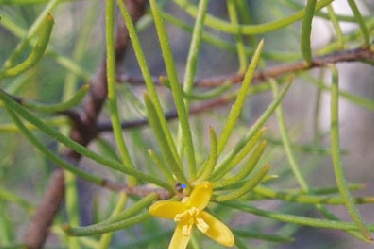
[78,34]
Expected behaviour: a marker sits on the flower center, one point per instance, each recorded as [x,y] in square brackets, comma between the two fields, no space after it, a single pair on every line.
[190,217]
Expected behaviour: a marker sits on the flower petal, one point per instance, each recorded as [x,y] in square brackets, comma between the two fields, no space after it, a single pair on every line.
[218,231]
[166,209]
[179,241]
[200,195]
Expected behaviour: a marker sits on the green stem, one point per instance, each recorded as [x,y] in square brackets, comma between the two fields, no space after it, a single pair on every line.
[239,41]
[287,143]
[338,30]
[42,126]
[52,156]
[60,107]
[338,167]
[105,239]
[106,228]
[176,88]
[32,31]
[305,221]
[111,79]
[247,187]
[36,53]
[221,25]
[239,102]
[148,80]
[361,21]
[306,29]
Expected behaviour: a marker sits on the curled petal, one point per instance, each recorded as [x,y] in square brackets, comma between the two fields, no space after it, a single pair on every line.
[179,240]
[200,195]
[166,209]
[217,230]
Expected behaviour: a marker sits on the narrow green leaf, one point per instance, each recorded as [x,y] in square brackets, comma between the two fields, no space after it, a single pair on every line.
[239,41]
[247,187]
[221,25]
[267,237]
[193,52]
[306,29]
[112,93]
[106,239]
[361,21]
[239,102]
[239,152]
[35,27]
[254,129]
[51,155]
[247,167]
[36,53]
[208,168]
[162,166]
[129,212]
[160,135]
[54,108]
[9,196]
[240,244]
[303,198]
[305,221]
[338,30]
[72,206]
[11,104]
[121,220]
[215,92]
[338,167]
[286,141]
[106,228]
[176,88]
[148,79]
[219,42]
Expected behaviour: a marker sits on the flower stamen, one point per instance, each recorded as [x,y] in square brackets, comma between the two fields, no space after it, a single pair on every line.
[190,217]
[190,212]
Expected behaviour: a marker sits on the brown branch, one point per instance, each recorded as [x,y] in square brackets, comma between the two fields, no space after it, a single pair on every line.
[83,131]
[343,56]
[139,123]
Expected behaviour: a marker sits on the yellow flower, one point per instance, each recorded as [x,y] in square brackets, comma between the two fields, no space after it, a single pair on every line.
[190,212]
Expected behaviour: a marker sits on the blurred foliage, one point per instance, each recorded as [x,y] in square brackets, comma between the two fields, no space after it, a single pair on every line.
[45,71]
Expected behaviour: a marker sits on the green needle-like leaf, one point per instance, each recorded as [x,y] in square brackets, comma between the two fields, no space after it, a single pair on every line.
[305,221]
[247,187]
[247,167]
[148,80]
[51,155]
[306,30]
[239,102]
[160,135]
[208,168]
[106,228]
[338,167]
[54,108]
[219,24]
[111,82]
[361,21]
[237,155]
[106,239]
[11,104]
[176,88]
[36,53]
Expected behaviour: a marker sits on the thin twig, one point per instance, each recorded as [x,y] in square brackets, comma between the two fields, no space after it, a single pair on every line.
[139,123]
[343,56]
